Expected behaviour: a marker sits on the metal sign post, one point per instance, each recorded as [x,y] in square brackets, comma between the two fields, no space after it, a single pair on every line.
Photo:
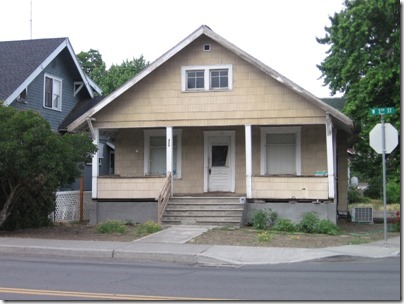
[384,178]
[387,145]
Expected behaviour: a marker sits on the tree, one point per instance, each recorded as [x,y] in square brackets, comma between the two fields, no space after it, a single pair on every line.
[363,62]
[34,162]
[117,75]
[109,80]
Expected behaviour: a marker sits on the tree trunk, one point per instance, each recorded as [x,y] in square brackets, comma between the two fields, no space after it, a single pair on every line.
[5,211]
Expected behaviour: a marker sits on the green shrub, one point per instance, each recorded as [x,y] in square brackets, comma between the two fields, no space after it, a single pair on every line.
[148,228]
[355,196]
[327,227]
[263,218]
[284,225]
[111,226]
[393,192]
[308,223]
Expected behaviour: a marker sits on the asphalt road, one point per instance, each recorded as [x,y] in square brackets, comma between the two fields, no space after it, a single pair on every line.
[41,278]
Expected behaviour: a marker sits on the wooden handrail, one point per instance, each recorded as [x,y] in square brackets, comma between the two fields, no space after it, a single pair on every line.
[163,198]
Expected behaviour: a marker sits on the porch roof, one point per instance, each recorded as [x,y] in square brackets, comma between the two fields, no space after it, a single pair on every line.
[342,120]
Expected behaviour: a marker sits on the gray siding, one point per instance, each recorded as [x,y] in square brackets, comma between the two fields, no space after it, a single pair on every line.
[61,67]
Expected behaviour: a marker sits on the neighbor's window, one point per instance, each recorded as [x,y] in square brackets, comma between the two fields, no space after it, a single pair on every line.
[280,151]
[53,93]
[155,153]
[205,78]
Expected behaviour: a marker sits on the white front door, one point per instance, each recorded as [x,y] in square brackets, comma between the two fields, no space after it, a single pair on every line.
[219,161]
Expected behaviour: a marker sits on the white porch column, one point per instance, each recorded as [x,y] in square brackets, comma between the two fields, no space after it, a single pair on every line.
[248,160]
[330,157]
[95,166]
[169,153]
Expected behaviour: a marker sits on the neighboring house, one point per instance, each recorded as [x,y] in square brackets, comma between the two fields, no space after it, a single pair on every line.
[224,124]
[44,75]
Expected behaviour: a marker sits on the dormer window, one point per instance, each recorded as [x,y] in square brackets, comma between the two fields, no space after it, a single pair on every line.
[52,93]
[207,78]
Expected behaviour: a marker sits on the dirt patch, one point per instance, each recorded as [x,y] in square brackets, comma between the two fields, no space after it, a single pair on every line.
[351,233]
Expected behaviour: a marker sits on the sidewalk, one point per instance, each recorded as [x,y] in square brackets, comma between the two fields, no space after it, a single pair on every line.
[169,245]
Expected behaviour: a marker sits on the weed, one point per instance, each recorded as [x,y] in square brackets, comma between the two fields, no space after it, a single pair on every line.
[264,236]
[148,228]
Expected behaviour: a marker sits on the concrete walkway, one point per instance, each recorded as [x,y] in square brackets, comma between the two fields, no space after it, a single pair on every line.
[170,245]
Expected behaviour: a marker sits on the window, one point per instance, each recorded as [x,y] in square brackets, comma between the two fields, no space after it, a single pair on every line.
[205,78]
[196,80]
[155,152]
[53,93]
[219,79]
[280,151]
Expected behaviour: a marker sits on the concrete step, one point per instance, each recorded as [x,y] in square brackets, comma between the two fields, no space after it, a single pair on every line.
[204,211]
[212,212]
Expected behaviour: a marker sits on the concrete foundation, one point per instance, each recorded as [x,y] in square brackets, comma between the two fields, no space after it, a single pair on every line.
[294,211]
[135,212]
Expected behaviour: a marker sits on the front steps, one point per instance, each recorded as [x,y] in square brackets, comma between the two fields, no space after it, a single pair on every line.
[217,211]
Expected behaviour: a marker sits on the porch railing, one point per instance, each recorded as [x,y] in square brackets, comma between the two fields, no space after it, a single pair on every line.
[163,198]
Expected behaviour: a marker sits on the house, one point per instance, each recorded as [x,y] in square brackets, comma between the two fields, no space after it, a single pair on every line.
[44,75]
[207,120]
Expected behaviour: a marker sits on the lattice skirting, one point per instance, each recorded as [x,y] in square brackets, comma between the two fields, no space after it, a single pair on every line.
[68,206]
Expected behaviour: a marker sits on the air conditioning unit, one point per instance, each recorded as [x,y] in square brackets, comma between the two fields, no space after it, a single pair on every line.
[362,214]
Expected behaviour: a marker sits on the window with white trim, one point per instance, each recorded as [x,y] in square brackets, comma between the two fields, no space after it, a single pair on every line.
[207,78]
[280,151]
[52,92]
[155,160]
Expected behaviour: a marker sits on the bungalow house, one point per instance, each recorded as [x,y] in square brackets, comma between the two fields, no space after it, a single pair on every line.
[216,133]
[44,75]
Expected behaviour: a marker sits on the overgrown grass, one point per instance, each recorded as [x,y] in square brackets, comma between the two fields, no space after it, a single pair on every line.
[377,205]
[115,226]
[112,227]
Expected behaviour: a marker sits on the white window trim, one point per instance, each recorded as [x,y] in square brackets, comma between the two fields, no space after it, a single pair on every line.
[279,130]
[77,86]
[44,91]
[207,69]
[161,132]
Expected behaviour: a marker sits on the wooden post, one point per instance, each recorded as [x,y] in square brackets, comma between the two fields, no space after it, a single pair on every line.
[81,198]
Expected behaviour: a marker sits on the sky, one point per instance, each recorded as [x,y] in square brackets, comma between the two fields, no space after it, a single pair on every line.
[281,34]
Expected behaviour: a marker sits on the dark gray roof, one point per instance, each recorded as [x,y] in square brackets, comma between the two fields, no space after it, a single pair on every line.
[19,59]
[80,108]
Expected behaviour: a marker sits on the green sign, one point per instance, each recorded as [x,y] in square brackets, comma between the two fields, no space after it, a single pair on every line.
[382,111]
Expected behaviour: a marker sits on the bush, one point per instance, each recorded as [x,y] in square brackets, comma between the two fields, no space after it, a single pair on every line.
[355,196]
[308,223]
[284,225]
[393,192]
[112,227]
[263,218]
[327,227]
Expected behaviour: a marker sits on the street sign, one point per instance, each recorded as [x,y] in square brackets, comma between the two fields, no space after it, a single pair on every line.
[391,138]
[382,111]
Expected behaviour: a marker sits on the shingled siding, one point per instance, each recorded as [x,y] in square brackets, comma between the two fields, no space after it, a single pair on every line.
[256,98]
[59,67]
